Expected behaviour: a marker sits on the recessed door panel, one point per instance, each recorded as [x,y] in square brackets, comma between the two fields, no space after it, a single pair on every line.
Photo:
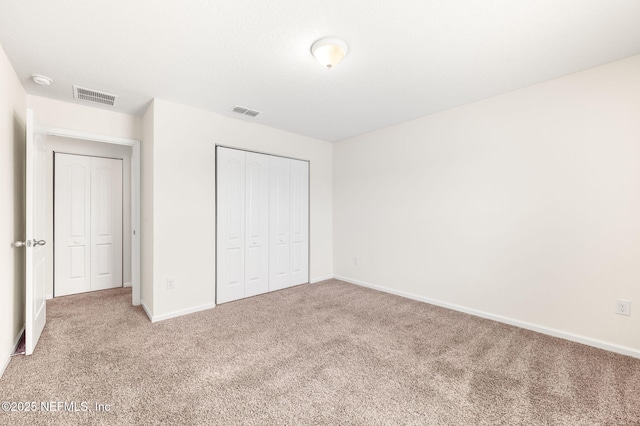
[78,182]
[104,196]
[234,265]
[78,259]
[104,253]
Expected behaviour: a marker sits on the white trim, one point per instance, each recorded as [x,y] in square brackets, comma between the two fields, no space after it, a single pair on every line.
[147,311]
[6,362]
[126,285]
[135,195]
[612,347]
[318,279]
[48,296]
[66,133]
[179,313]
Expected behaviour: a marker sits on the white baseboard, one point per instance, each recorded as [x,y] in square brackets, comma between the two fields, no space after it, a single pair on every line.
[5,362]
[156,318]
[127,285]
[612,347]
[318,279]
[146,311]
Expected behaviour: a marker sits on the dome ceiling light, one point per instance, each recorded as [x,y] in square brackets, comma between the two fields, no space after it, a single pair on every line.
[329,51]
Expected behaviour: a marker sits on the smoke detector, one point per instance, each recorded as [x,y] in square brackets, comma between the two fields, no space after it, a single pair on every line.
[91,95]
[42,80]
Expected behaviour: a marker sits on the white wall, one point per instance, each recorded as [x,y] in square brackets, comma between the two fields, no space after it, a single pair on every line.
[12,169]
[184,198]
[81,118]
[525,205]
[82,147]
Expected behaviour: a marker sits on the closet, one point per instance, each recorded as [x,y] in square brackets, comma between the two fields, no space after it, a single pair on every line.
[87,223]
[262,226]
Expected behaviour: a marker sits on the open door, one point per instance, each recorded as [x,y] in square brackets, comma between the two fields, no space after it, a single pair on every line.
[36,219]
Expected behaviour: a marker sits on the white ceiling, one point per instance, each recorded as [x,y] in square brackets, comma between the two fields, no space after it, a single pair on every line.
[407,58]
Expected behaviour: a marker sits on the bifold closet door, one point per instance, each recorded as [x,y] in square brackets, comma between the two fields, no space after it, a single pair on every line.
[262,223]
[279,223]
[289,223]
[257,224]
[230,225]
[72,216]
[299,219]
[87,224]
[106,223]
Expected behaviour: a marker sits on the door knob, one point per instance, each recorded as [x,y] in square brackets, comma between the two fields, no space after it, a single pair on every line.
[29,243]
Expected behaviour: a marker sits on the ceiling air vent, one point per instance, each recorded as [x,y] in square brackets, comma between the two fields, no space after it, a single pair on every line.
[245,111]
[90,95]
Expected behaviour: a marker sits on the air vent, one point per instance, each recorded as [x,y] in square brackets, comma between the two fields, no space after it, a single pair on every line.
[245,111]
[90,95]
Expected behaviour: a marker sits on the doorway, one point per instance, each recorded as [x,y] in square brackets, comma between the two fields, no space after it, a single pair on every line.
[70,141]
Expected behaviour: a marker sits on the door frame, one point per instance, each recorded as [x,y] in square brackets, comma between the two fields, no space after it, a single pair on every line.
[135,194]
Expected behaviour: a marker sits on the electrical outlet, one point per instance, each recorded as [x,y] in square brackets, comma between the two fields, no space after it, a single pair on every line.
[171,283]
[623,307]
[356,260]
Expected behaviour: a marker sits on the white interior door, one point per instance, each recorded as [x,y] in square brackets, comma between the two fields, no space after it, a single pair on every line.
[299,222]
[88,224]
[36,220]
[230,247]
[257,224]
[262,223]
[279,224]
[72,224]
[106,223]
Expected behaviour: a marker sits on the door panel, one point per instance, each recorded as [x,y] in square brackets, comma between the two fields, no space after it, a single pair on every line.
[72,218]
[299,222]
[35,229]
[257,224]
[230,265]
[279,213]
[106,223]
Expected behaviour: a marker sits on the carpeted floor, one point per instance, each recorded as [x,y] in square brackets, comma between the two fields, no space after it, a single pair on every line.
[327,353]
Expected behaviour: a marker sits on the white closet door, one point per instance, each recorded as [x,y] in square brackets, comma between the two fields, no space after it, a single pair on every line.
[72,231]
[299,222]
[257,224]
[230,263]
[106,223]
[279,223]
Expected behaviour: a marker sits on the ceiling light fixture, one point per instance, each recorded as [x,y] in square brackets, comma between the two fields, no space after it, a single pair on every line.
[41,79]
[329,51]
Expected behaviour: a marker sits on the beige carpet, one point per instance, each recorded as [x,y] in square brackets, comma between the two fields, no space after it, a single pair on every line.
[327,353]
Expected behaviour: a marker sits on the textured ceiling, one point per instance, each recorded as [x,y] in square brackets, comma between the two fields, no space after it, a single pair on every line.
[406,58]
